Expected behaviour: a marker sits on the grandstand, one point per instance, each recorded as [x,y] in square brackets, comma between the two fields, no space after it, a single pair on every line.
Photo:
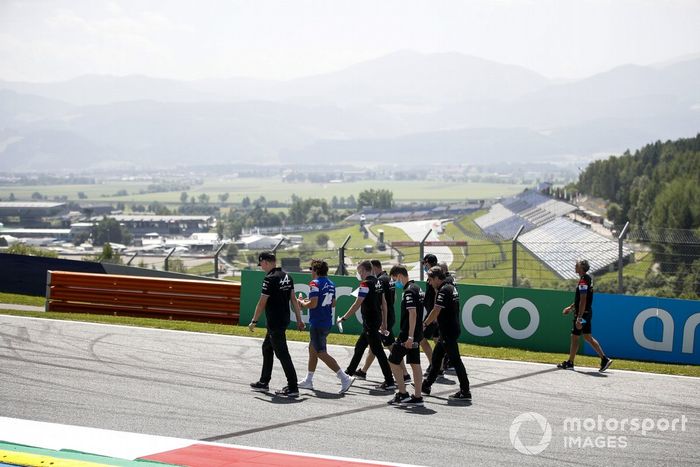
[529,209]
[561,242]
[553,239]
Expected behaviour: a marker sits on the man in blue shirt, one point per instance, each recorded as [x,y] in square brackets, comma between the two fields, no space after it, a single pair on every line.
[320,302]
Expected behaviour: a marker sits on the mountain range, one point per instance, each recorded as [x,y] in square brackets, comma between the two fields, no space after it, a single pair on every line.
[405,107]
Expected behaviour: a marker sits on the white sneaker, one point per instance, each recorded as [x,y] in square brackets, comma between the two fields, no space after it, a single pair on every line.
[345,384]
[305,384]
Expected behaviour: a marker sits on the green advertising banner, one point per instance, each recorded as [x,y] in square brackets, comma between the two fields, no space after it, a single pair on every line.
[494,316]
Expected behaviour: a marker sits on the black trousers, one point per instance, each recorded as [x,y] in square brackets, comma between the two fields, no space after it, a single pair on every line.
[275,343]
[450,348]
[371,338]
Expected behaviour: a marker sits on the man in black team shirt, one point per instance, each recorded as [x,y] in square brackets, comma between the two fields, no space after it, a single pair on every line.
[410,334]
[446,312]
[432,331]
[583,314]
[370,300]
[277,293]
[387,339]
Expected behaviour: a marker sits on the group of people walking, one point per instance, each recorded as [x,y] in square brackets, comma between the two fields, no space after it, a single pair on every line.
[424,315]
[433,314]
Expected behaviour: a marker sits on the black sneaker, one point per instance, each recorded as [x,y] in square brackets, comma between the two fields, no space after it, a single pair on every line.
[387,386]
[425,389]
[260,387]
[461,396]
[566,365]
[359,374]
[286,392]
[399,398]
[605,363]
[427,372]
[413,402]
[406,378]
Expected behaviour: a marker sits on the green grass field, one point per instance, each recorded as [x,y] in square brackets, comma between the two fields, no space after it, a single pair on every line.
[271,189]
[343,339]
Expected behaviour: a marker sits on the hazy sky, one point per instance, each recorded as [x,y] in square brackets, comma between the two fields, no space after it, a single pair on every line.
[43,40]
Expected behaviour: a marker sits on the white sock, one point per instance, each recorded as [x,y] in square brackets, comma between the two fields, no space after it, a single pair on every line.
[309,376]
[341,374]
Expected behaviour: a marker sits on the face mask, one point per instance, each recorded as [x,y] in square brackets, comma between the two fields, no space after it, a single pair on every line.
[425,268]
[358,276]
[398,285]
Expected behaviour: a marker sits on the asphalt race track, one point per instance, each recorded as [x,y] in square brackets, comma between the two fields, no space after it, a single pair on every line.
[195,386]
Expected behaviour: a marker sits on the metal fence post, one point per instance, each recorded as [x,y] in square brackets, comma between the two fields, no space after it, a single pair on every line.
[128,263]
[165,266]
[274,250]
[620,262]
[421,253]
[216,260]
[515,256]
[342,270]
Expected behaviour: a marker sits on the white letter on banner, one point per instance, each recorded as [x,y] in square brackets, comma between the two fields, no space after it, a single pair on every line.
[531,309]
[342,292]
[689,333]
[468,313]
[666,343]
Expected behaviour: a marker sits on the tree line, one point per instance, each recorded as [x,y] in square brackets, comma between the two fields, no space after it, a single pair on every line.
[657,187]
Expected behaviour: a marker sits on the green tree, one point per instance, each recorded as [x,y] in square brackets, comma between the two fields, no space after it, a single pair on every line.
[183,197]
[108,255]
[22,249]
[82,195]
[614,213]
[231,252]
[322,240]
[223,197]
[109,230]
[377,199]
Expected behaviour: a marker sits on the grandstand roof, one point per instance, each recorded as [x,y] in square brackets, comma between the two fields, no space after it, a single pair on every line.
[561,242]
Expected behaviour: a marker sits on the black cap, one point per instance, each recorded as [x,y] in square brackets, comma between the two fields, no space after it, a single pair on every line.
[266,256]
[430,259]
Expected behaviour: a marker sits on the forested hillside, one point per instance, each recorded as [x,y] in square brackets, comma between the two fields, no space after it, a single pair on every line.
[657,188]
[658,185]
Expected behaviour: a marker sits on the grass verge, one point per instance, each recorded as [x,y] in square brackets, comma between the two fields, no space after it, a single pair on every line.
[467,350]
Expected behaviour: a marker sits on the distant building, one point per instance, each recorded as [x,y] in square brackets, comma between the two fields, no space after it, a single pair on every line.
[259,242]
[30,214]
[140,224]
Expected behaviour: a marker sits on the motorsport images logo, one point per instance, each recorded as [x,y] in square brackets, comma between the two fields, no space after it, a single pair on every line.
[544,432]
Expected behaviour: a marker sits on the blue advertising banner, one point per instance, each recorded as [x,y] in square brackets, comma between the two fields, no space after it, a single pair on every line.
[647,328]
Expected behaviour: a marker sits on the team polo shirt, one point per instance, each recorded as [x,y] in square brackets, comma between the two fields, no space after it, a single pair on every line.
[371,309]
[324,290]
[389,289]
[584,286]
[448,320]
[412,298]
[278,286]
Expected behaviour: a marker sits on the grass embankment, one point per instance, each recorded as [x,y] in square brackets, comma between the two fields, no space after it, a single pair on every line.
[467,350]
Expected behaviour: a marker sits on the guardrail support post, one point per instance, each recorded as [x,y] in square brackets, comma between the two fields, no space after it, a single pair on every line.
[165,265]
[515,256]
[216,260]
[421,253]
[128,263]
[620,259]
[342,270]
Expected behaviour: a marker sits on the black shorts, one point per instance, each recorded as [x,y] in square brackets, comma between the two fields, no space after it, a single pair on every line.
[398,352]
[585,328]
[432,331]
